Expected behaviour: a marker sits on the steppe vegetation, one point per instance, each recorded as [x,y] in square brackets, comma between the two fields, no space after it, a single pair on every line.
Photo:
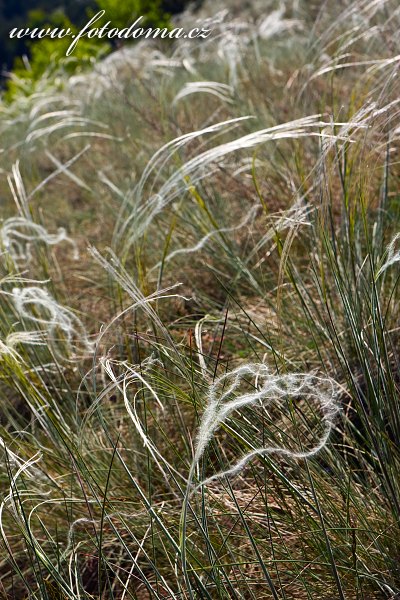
[199,317]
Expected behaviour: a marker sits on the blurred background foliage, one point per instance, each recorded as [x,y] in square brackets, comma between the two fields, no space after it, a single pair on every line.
[28,59]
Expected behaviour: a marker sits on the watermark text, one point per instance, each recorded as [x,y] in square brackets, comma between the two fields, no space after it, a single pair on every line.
[107,31]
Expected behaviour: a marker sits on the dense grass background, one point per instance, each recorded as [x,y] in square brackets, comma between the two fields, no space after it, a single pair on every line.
[194,229]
